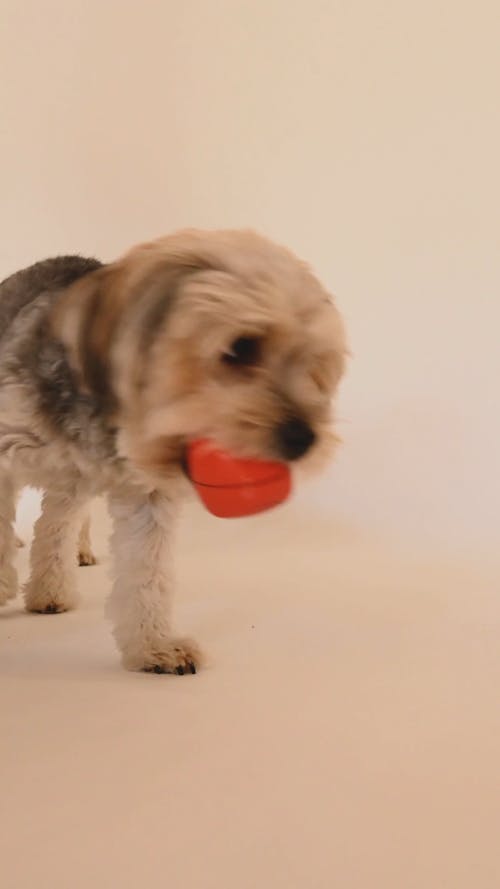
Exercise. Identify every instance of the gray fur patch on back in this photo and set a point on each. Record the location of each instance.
(31, 354)
(48, 276)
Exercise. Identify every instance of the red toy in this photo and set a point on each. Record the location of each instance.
(231, 487)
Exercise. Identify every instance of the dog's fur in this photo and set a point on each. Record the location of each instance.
(107, 371)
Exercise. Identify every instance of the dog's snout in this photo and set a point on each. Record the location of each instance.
(295, 437)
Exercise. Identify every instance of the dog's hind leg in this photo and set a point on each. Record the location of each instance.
(18, 542)
(85, 553)
(8, 574)
(52, 584)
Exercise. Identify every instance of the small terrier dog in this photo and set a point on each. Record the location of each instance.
(108, 371)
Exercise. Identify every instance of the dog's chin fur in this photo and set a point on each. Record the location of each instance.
(144, 353)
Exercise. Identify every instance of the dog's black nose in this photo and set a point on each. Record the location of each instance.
(295, 437)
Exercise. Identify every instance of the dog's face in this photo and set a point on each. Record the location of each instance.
(218, 334)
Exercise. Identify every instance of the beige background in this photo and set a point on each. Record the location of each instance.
(364, 135)
(352, 738)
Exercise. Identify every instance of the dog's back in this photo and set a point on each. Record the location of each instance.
(48, 276)
(39, 401)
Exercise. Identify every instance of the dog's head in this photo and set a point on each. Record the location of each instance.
(207, 334)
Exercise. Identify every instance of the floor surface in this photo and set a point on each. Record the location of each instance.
(346, 732)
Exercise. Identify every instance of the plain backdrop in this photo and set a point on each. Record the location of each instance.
(364, 135)
(347, 731)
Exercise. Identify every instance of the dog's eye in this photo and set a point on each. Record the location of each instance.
(245, 351)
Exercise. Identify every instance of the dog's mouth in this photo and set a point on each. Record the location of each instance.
(291, 446)
(183, 461)
(290, 442)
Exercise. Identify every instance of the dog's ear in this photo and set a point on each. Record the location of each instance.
(85, 319)
(125, 301)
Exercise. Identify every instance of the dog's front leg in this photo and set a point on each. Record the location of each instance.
(141, 600)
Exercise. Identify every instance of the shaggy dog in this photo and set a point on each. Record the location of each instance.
(108, 371)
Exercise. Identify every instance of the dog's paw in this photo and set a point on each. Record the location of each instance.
(49, 608)
(40, 600)
(86, 558)
(180, 656)
(19, 542)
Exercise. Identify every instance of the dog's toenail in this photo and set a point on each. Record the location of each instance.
(157, 668)
(192, 668)
(179, 670)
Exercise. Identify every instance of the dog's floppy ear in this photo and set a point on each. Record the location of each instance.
(85, 319)
(126, 300)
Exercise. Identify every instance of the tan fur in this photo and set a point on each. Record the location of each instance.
(86, 556)
(234, 283)
(148, 339)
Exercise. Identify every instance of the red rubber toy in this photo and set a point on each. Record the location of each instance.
(230, 487)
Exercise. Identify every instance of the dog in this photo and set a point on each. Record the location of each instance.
(107, 371)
